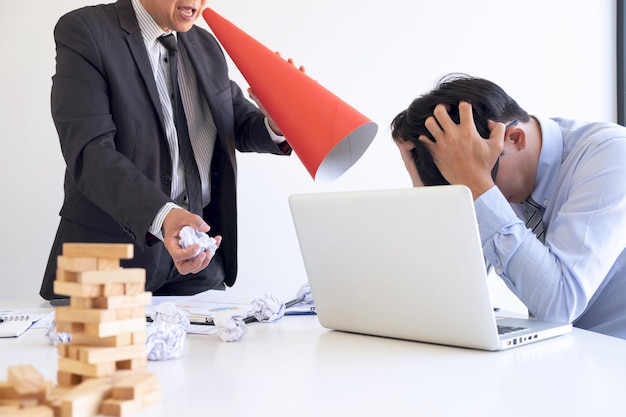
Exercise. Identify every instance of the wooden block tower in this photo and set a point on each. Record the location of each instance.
(104, 368)
(106, 318)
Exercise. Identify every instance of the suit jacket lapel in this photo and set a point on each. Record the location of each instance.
(128, 22)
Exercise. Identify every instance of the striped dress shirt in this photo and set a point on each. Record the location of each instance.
(202, 131)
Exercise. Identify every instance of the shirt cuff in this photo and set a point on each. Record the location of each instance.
(493, 212)
(277, 139)
(156, 227)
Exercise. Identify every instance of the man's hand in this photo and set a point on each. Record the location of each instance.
(253, 96)
(406, 152)
(461, 154)
(183, 259)
(270, 121)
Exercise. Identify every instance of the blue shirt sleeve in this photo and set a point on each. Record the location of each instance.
(585, 236)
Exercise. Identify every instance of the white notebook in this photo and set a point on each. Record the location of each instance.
(15, 322)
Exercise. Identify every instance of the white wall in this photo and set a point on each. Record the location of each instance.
(555, 59)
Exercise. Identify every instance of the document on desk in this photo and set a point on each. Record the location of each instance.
(202, 307)
(14, 322)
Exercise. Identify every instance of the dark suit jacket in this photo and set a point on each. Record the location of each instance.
(106, 109)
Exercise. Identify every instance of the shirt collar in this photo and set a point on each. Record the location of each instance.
(550, 159)
(150, 29)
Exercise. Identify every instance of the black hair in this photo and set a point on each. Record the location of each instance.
(488, 100)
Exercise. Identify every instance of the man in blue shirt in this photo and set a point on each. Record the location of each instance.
(573, 267)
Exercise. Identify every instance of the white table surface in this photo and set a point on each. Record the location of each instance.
(294, 367)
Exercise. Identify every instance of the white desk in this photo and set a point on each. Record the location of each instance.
(296, 368)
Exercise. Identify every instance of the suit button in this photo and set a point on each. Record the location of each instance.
(166, 179)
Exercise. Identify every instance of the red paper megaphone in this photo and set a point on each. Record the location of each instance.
(327, 134)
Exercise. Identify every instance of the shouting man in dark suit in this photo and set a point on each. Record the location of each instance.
(114, 104)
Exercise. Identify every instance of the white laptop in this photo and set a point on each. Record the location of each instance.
(406, 264)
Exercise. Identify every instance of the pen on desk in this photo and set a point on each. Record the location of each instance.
(293, 302)
(204, 321)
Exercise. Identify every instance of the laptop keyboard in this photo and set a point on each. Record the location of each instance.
(509, 329)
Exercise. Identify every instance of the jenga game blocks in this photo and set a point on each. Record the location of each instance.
(104, 367)
(25, 393)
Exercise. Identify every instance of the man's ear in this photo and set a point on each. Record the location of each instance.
(517, 136)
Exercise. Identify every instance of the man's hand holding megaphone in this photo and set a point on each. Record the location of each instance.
(270, 121)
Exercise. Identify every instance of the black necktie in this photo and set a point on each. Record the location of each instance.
(193, 200)
(534, 218)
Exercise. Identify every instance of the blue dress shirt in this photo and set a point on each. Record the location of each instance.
(579, 275)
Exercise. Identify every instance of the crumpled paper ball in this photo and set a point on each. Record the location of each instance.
(56, 337)
(166, 333)
(305, 294)
(190, 236)
(230, 327)
(268, 309)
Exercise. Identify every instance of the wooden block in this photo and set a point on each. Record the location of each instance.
(75, 289)
(7, 391)
(136, 364)
(140, 337)
(122, 275)
(107, 264)
(105, 329)
(124, 408)
(34, 411)
(66, 276)
(125, 313)
(25, 379)
(115, 340)
(83, 302)
(115, 288)
(8, 409)
(73, 366)
(67, 379)
(122, 301)
(135, 385)
(78, 315)
(20, 402)
(64, 351)
(99, 250)
(70, 327)
(53, 400)
(134, 288)
(76, 264)
(85, 399)
(95, 355)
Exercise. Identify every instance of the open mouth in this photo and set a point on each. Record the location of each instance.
(187, 11)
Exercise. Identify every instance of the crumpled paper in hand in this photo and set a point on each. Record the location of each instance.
(305, 294)
(166, 334)
(57, 337)
(190, 236)
(268, 309)
(230, 327)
